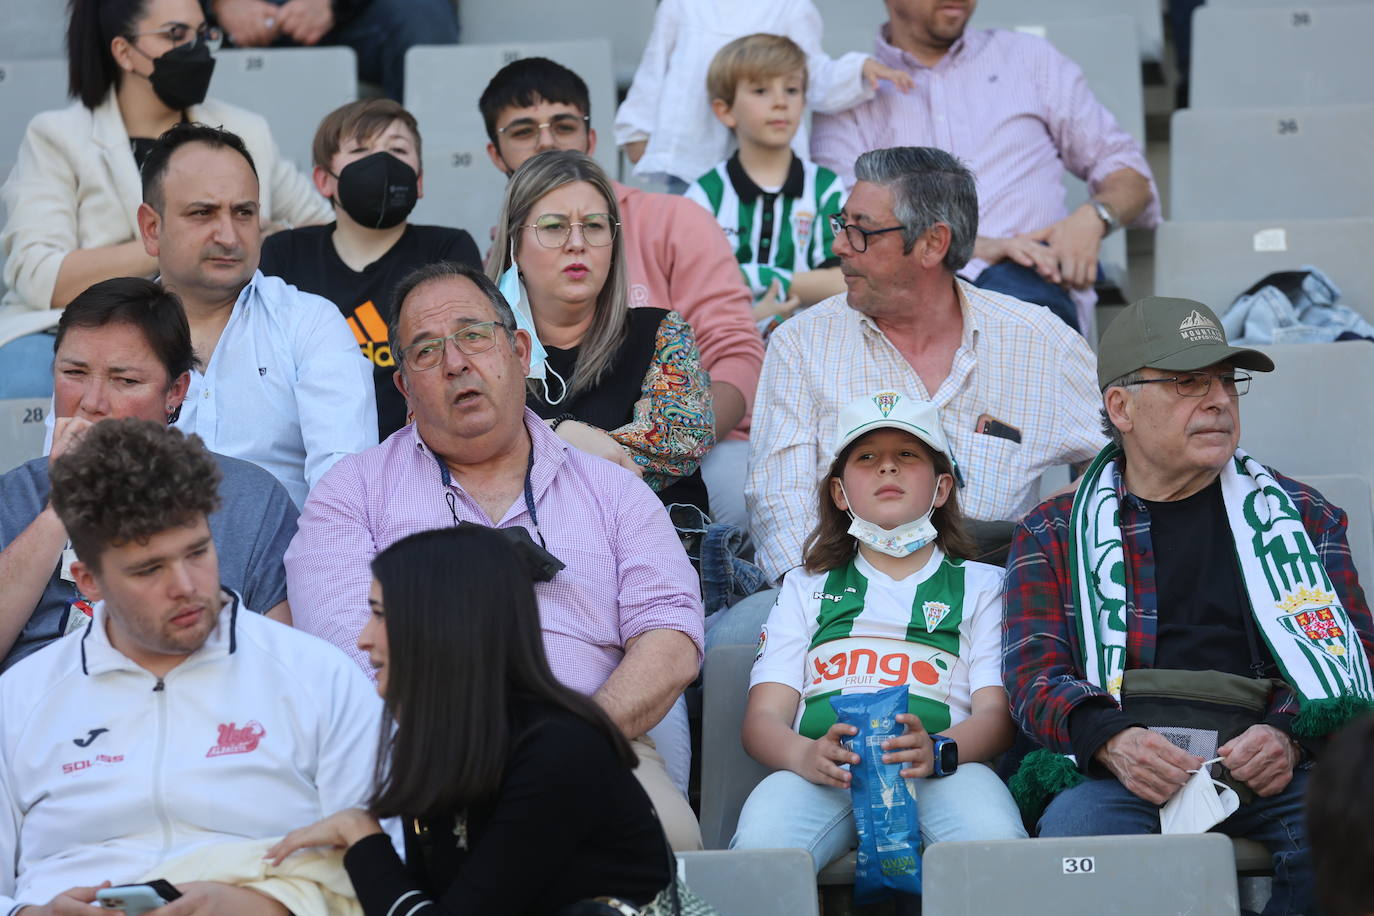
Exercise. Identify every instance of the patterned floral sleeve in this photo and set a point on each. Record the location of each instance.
(674, 425)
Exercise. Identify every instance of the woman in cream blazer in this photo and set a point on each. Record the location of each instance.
(75, 185)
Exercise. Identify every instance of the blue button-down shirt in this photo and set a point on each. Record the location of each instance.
(286, 387)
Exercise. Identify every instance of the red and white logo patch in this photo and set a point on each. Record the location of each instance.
(234, 740)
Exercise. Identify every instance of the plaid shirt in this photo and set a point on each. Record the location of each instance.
(1041, 655)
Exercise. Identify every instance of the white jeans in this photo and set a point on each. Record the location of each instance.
(786, 811)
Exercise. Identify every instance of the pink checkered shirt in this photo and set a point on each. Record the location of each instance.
(626, 570)
(1010, 106)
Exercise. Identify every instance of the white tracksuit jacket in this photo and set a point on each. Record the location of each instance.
(105, 771)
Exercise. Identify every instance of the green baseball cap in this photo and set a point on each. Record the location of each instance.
(1164, 333)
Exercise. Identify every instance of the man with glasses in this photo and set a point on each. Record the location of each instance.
(619, 602)
(675, 256)
(1013, 383)
(1182, 567)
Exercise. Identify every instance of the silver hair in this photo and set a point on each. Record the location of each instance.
(442, 270)
(929, 186)
(1121, 381)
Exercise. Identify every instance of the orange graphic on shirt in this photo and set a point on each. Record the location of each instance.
(370, 331)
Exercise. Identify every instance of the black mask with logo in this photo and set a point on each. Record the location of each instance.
(181, 77)
(378, 191)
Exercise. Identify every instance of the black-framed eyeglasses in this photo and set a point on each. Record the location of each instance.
(475, 338)
(553, 230)
(1197, 384)
(179, 33)
(565, 129)
(857, 235)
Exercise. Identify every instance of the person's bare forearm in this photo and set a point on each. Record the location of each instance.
(1126, 192)
(26, 565)
(812, 286)
(658, 665)
(772, 742)
(728, 404)
(982, 737)
(84, 267)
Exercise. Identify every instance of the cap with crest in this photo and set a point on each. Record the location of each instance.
(893, 410)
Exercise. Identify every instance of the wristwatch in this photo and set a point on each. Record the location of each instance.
(1108, 218)
(946, 755)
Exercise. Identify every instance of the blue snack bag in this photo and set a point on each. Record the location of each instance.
(885, 812)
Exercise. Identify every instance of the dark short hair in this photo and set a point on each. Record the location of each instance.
(928, 186)
(524, 82)
(143, 304)
(363, 119)
(1340, 804)
(91, 26)
(128, 480)
(442, 270)
(461, 647)
(155, 165)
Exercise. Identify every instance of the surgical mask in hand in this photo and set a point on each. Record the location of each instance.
(514, 292)
(902, 541)
(1198, 807)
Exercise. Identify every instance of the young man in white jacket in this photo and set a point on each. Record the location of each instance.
(176, 719)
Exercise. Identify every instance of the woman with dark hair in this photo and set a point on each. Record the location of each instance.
(1340, 806)
(515, 792)
(623, 383)
(136, 67)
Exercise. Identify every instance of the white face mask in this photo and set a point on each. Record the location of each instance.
(902, 541)
(1198, 806)
(514, 291)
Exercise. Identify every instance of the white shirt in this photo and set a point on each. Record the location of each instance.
(286, 387)
(261, 730)
(668, 102)
(1016, 362)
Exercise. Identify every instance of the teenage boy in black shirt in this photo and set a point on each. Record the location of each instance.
(367, 162)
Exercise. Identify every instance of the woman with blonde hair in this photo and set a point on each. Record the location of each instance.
(626, 384)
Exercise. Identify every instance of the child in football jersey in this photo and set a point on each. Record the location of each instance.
(885, 596)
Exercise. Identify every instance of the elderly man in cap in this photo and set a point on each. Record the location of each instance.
(1186, 606)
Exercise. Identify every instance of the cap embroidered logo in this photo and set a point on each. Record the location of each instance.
(886, 401)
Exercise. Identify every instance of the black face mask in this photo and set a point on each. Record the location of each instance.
(378, 191)
(182, 75)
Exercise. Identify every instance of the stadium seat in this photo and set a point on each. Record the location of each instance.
(760, 882)
(21, 430)
(27, 87)
(728, 773)
(625, 23)
(1313, 414)
(1125, 875)
(1288, 4)
(293, 88)
(34, 29)
(1264, 163)
(1282, 56)
(1213, 262)
(443, 82)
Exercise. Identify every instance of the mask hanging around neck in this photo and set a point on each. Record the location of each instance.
(514, 291)
(901, 541)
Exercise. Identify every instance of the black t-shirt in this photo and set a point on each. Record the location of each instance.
(610, 405)
(1205, 622)
(306, 259)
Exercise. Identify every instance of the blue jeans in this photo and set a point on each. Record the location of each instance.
(1104, 807)
(26, 367)
(1026, 284)
(785, 811)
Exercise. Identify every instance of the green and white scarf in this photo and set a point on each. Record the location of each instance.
(1295, 606)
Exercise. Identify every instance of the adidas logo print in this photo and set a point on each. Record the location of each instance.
(370, 331)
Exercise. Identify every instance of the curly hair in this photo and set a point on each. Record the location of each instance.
(127, 480)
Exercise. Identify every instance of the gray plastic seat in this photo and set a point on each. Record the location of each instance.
(1264, 163)
(728, 773)
(1213, 262)
(27, 87)
(293, 88)
(21, 430)
(1282, 56)
(34, 29)
(443, 82)
(759, 882)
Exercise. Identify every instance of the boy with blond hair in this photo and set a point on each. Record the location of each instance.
(773, 205)
(367, 163)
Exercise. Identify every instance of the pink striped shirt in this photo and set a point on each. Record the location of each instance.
(626, 570)
(1009, 105)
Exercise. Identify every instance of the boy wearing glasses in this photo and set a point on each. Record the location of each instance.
(773, 205)
(367, 163)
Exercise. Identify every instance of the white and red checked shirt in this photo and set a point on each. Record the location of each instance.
(626, 570)
(1016, 362)
(1014, 109)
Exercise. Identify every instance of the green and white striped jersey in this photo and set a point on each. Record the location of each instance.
(856, 630)
(774, 233)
